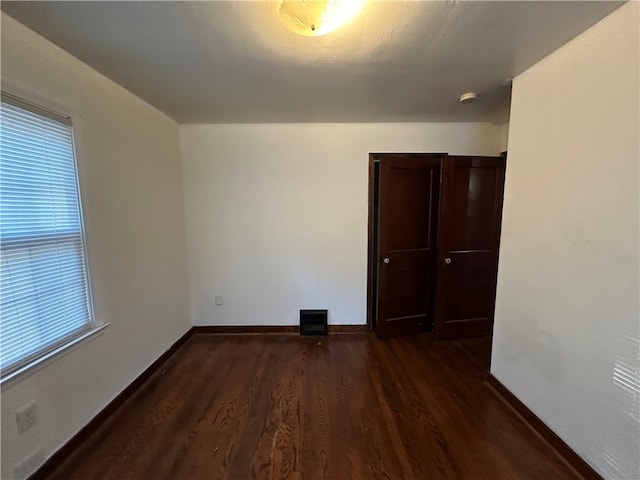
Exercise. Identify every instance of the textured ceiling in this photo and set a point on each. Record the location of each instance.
(233, 62)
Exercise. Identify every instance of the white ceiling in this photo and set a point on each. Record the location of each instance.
(233, 62)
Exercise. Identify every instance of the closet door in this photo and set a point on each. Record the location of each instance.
(468, 242)
(406, 253)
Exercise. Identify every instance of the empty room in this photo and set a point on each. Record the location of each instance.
(329, 239)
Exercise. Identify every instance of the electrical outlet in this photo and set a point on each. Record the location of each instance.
(218, 299)
(26, 417)
(27, 467)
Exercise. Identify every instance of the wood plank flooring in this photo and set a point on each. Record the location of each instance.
(345, 406)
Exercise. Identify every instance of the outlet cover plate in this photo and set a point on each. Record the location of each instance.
(26, 417)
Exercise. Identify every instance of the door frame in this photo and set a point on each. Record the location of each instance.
(372, 260)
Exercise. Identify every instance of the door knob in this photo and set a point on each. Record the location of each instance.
(447, 260)
(386, 260)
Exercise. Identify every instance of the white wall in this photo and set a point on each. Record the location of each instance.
(567, 316)
(276, 215)
(130, 184)
(504, 136)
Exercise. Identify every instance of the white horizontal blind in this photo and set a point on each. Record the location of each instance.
(44, 300)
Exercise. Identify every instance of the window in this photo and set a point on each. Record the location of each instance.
(44, 293)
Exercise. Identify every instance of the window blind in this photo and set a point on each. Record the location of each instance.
(44, 299)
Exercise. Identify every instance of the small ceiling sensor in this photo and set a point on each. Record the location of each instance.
(468, 97)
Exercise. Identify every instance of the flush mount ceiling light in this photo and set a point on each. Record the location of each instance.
(468, 97)
(312, 18)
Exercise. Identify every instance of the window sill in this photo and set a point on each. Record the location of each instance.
(58, 352)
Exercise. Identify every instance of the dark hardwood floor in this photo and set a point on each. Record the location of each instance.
(338, 407)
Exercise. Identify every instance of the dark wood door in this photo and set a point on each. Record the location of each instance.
(406, 255)
(468, 242)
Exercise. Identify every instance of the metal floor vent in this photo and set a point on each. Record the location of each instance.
(313, 322)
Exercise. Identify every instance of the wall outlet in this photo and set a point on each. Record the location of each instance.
(27, 467)
(26, 417)
(218, 299)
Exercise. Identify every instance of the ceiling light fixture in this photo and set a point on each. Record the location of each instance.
(312, 18)
(468, 97)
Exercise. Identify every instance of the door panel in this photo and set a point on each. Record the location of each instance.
(472, 208)
(407, 220)
(408, 196)
(468, 242)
